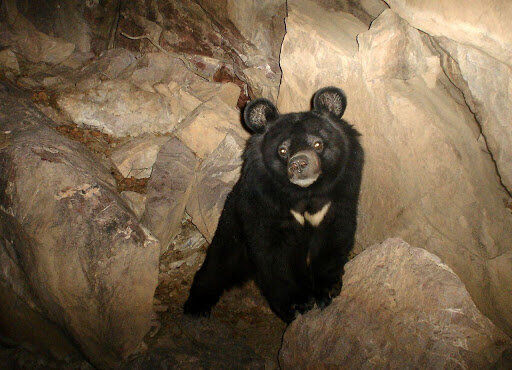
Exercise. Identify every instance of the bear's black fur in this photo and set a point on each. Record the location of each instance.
(271, 228)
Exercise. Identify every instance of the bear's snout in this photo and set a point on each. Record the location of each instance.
(304, 168)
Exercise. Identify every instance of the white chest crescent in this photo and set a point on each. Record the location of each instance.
(314, 219)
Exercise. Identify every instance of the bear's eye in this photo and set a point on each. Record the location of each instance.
(282, 151)
(318, 145)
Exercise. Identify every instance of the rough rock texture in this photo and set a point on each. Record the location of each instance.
(218, 30)
(227, 92)
(19, 34)
(136, 157)
(60, 18)
(214, 180)
(482, 24)
(427, 178)
(136, 202)
(400, 307)
(205, 128)
(119, 108)
(169, 189)
(72, 255)
(475, 41)
(8, 61)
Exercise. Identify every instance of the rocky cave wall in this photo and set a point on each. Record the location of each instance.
(121, 118)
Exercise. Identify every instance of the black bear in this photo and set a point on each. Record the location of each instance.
(289, 221)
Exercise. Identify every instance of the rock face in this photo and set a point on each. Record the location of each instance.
(71, 252)
(482, 24)
(476, 45)
(428, 178)
(400, 307)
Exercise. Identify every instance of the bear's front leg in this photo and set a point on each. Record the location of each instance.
(281, 277)
(226, 265)
(328, 267)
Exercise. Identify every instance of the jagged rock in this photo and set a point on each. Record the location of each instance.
(215, 179)
(119, 108)
(111, 63)
(227, 92)
(476, 47)
(264, 81)
(169, 189)
(136, 202)
(205, 128)
(136, 157)
(400, 307)
(121, 95)
(259, 22)
(159, 67)
(8, 61)
(485, 83)
(331, 48)
(74, 258)
(427, 177)
(482, 24)
(23, 38)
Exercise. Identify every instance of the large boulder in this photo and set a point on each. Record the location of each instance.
(400, 307)
(71, 254)
(428, 178)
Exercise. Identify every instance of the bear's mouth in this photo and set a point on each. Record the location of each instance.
(304, 168)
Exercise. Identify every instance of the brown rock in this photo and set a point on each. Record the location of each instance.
(169, 190)
(23, 38)
(83, 261)
(482, 24)
(136, 157)
(8, 61)
(119, 108)
(227, 92)
(475, 43)
(215, 179)
(400, 307)
(136, 202)
(206, 127)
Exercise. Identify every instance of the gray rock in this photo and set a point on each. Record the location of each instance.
(73, 254)
(400, 307)
(169, 189)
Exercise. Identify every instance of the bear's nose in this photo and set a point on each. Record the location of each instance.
(298, 163)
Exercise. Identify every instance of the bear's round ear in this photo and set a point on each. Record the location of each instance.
(330, 99)
(258, 113)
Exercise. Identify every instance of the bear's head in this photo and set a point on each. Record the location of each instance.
(305, 150)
